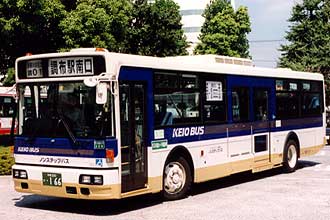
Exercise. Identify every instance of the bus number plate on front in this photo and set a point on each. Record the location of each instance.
(52, 179)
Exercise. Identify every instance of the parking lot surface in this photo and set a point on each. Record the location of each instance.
(303, 195)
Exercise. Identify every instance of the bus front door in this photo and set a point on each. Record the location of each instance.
(133, 135)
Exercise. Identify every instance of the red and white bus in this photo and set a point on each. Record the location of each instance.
(7, 109)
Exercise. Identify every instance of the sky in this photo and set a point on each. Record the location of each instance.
(268, 23)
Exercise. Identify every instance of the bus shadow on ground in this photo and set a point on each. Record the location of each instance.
(115, 207)
(88, 207)
(244, 177)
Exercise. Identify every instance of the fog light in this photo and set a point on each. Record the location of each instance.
(85, 179)
(98, 180)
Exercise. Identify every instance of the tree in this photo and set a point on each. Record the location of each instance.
(157, 29)
(309, 37)
(69, 4)
(29, 26)
(224, 31)
(98, 23)
(9, 78)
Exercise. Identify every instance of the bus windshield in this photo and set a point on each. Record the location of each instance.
(63, 109)
(7, 106)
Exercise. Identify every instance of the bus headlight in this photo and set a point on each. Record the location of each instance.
(91, 179)
(85, 179)
(98, 180)
(20, 174)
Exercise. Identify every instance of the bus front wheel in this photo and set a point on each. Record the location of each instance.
(290, 160)
(176, 179)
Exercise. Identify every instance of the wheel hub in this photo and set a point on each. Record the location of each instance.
(292, 156)
(175, 177)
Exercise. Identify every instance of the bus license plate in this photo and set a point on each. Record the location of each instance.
(52, 179)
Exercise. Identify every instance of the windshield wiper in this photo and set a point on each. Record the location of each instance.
(67, 128)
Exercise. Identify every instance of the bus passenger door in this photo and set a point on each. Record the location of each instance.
(261, 99)
(133, 135)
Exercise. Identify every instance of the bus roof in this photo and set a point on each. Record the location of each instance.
(7, 91)
(198, 63)
(208, 64)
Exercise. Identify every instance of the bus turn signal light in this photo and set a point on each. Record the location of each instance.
(12, 150)
(110, 155)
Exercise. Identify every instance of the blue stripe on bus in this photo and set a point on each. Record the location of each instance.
(174, 137)
(63, 147)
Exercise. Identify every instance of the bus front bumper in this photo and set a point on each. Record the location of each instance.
(70, 186)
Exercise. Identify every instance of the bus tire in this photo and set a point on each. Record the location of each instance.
(290, 156)
(176, 179)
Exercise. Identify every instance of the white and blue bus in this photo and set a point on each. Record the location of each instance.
(104, 125)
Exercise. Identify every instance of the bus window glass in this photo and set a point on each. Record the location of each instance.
(287, 105)
(316, 87)
(214, 108)
(62, 109)
(189, 81)
(260, 103)
(176, 99)
(279, 85)
(176, 108)
(293, 86)
(166, 80)
(7, 106)
(306, 86)
(240, 104)
(311, 105)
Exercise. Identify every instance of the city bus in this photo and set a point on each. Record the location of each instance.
(112, 125)
(7, 109)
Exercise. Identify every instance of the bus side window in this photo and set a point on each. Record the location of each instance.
(260, 102)
(240, 104)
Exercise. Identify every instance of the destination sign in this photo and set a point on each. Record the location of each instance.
(72, 66)
(34, 69)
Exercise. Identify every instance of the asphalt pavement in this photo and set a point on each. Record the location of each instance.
(303, 195)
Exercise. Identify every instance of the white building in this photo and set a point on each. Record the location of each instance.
(192, 20)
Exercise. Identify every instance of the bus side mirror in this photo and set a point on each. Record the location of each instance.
(101, 93)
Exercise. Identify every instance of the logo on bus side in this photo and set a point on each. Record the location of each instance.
(185, 132)
(28, 149)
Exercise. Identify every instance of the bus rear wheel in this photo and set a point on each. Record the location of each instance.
(176, 179)
(290, 161)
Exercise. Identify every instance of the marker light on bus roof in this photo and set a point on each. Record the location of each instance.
(28, 54)
(99, 49)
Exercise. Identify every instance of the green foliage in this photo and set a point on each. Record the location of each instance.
(224, 31)
(309, 38)
(157, 29)
(127, 26)
(6, 161)
(10, 77)
(29, 26)
(98, 23)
